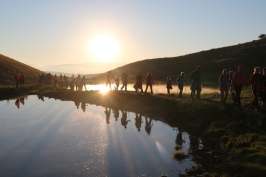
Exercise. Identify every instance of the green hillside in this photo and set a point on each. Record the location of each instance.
(212, 62)
(9, 67)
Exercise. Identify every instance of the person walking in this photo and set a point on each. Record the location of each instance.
(262, 90)
(17, 79)
(254, 80)
(22, 80)
(116, 82)
(124, 80)
(238, 80)
(169, 84)
(83, 83)
(195, 78)
(108, 79)
(224, 85)
(149, 82)
(180, 83)
(138, 84)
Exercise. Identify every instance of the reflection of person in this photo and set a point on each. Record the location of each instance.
(40, 97)
(22, 100)
(17, 103)
(77, 104)
(124, 120)
(195, 78)
(179, 140)
(148, 125)
(108, 114)
(116, 113)
(83, 106)
(138, 121)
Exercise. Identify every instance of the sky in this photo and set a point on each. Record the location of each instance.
(50, 33)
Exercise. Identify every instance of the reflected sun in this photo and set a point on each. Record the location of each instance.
(104, 48)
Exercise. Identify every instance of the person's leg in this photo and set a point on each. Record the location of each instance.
(198, 91)
(222, 93)
(238, 92)
(151, 88)
(146, 88)
(226, 94)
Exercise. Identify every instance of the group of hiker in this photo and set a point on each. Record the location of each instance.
(62, 81)
(19, 79)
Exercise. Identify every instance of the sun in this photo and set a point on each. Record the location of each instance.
(104, 48)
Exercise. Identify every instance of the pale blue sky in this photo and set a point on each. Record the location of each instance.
(52, 32)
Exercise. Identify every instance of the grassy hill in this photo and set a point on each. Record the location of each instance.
(212, 62)
(9, 67)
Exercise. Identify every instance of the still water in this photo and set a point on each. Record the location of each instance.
(47, 137)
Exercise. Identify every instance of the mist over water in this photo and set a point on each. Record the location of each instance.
(46, 137)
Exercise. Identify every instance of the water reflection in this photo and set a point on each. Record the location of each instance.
(20, 101)
(54, 138)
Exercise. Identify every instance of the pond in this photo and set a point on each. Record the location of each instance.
(157, 88)
(47, 137)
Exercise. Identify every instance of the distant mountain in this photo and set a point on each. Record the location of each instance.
(9, 67)
(212, 62)
(83, 68)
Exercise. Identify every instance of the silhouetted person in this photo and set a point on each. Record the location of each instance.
(116, 114)
(179, 139)
(108, 79)
(180, 83)
(124, 120)
(108, 114)
(254, 81)
(169, 84)
(195, 78)
(17, 79)
(138, 84)
(83, 83)
(149, 82)
(148, 125)
(116, 82)
(55, 80)
(224, 85)
(124, 80)
(17, 103)
(238, 80)
(138, 122)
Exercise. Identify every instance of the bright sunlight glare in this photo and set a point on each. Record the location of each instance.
(104, 48)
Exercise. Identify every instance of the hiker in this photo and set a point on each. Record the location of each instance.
(124, 80)
(149, 82)
(138, 121)
(77, 83)
(262, 90)
(108, 79)
(22, 79)
(148, 125)
(169, 84)
(17, 79)
(224, 85)
(180, 83)
(254, 80)
(55, 80)
(195, 78)
(138, 84)
(238, 80)
(232, 92)
(116, 82)
(83, 83)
